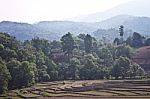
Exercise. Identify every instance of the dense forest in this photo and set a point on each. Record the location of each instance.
(79, 57)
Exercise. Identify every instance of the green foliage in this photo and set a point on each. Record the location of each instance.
(135, 70)
(73, 69)
(123, 50)
(27, 73)
(7, 54)
(68, 44)
(88, 43)
(121, 67)
(46, 77)
(14, 69)
(52, 69)
(136, 40)
(105, 56)
(55, 44)
(4, 76)
(62, 71)
(91, 69)
(8, 41)
(1, 47)
(124, 67)
(41, 44)
(35, 60)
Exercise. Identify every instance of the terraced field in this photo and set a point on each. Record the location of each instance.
(84, 89)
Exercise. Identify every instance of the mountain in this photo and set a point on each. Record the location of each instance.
(63, 27)
(109, 28)
(136, 24)
(25, 31)
(19, 30)
(53, 30)
(110, 34)
(134, 8)
(107, 34)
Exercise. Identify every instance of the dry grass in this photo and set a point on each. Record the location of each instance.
(85, 88)
(29, 95)
(96, 93)
(123, 93)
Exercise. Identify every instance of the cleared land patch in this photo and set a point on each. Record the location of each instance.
(84, 89)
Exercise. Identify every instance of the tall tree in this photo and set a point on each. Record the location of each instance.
(68, 44)
(27, 73)
(14, 70)
(88, 43)
(121, 30)
(4, 76)
(52, 69)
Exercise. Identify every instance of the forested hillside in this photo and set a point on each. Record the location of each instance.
(53, 30)
(25, 31)
(80, 57)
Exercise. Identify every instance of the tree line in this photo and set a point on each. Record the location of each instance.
(79, 57)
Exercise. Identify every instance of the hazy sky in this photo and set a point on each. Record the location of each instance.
(47, 10)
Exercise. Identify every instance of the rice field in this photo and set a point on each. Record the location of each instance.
(84, 89)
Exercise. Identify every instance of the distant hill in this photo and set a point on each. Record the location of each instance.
(136, 24)
(110, 34)
(134, 8)
(109, 28)
(20, 30)
(53, 30)
(63, 27)
(25, 31)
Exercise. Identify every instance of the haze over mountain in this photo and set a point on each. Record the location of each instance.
(134, 8)
(25, 31)
(103, 24)
(134, 23)
(63, 27)
(50, 30)
(53, 30)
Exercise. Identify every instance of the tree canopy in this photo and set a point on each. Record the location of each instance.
(80, 57)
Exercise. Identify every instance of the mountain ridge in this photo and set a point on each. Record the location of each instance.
(133, 8)
(53, 30)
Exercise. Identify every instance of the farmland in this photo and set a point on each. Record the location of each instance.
(84, 89)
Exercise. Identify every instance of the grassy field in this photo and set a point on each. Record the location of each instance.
(84, 89)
